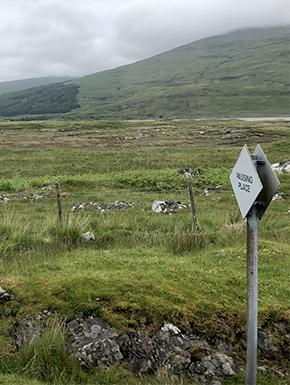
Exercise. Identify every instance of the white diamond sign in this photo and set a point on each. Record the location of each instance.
(245, 182)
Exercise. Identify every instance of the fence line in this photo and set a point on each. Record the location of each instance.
(127, 210)
(114, 192)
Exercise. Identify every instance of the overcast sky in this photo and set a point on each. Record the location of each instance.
(80, 37)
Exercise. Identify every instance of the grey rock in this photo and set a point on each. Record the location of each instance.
(4, 296)
(281, 167)
(223, 345)
(197, 341)
(142, 354)
(101, 354)
(197, 368)
(89, 235)
(212, 368)
(266, 343)
(210, 190)
(167, 347)
(2, 291)
(118, 205)
(166, 207)
(178, 363)
(94, 343)
(277, 197)
(85, 331)
(26, 330)
(187, 171)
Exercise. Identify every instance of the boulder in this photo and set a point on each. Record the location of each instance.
(89, 235)
(94, 343)
(166, 207)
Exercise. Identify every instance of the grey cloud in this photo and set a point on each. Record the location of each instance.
(69, 37)
(143, 29)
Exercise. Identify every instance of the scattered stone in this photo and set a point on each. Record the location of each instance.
(32, 197)
(82, 206)
(277, 197)
(52, 187)
(210, 190)
(262, 369)
(166, 207)
(88, 236)
(106, 206)
(281, 167)
(187, 171)
(117, 205)
(4, 296)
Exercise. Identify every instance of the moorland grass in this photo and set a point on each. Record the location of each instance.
(144, 268)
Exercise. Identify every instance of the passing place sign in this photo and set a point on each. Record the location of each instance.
(245, 182)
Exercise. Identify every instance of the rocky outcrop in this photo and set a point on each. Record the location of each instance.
(94, 343)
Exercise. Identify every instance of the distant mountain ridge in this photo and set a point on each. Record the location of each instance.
(23, 84)
(242, 73)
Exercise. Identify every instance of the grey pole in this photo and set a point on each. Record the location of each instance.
(252, 293)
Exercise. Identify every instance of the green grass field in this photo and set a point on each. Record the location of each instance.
(145, 268)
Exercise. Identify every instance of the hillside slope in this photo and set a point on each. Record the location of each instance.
(23, 84)
(243, 73)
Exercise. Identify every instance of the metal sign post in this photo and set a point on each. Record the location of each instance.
(254, 184)
(252, 295)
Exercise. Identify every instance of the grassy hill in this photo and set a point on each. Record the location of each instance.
(243, 73)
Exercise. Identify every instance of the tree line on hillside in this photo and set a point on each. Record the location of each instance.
(49, 99)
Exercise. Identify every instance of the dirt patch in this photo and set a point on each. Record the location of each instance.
(239, 138)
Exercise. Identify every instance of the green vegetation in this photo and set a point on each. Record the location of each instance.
(145, 268)
(240, 74)
(53, 98)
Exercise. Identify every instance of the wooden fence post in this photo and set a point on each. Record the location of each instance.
(193, 212)
(57, 186)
